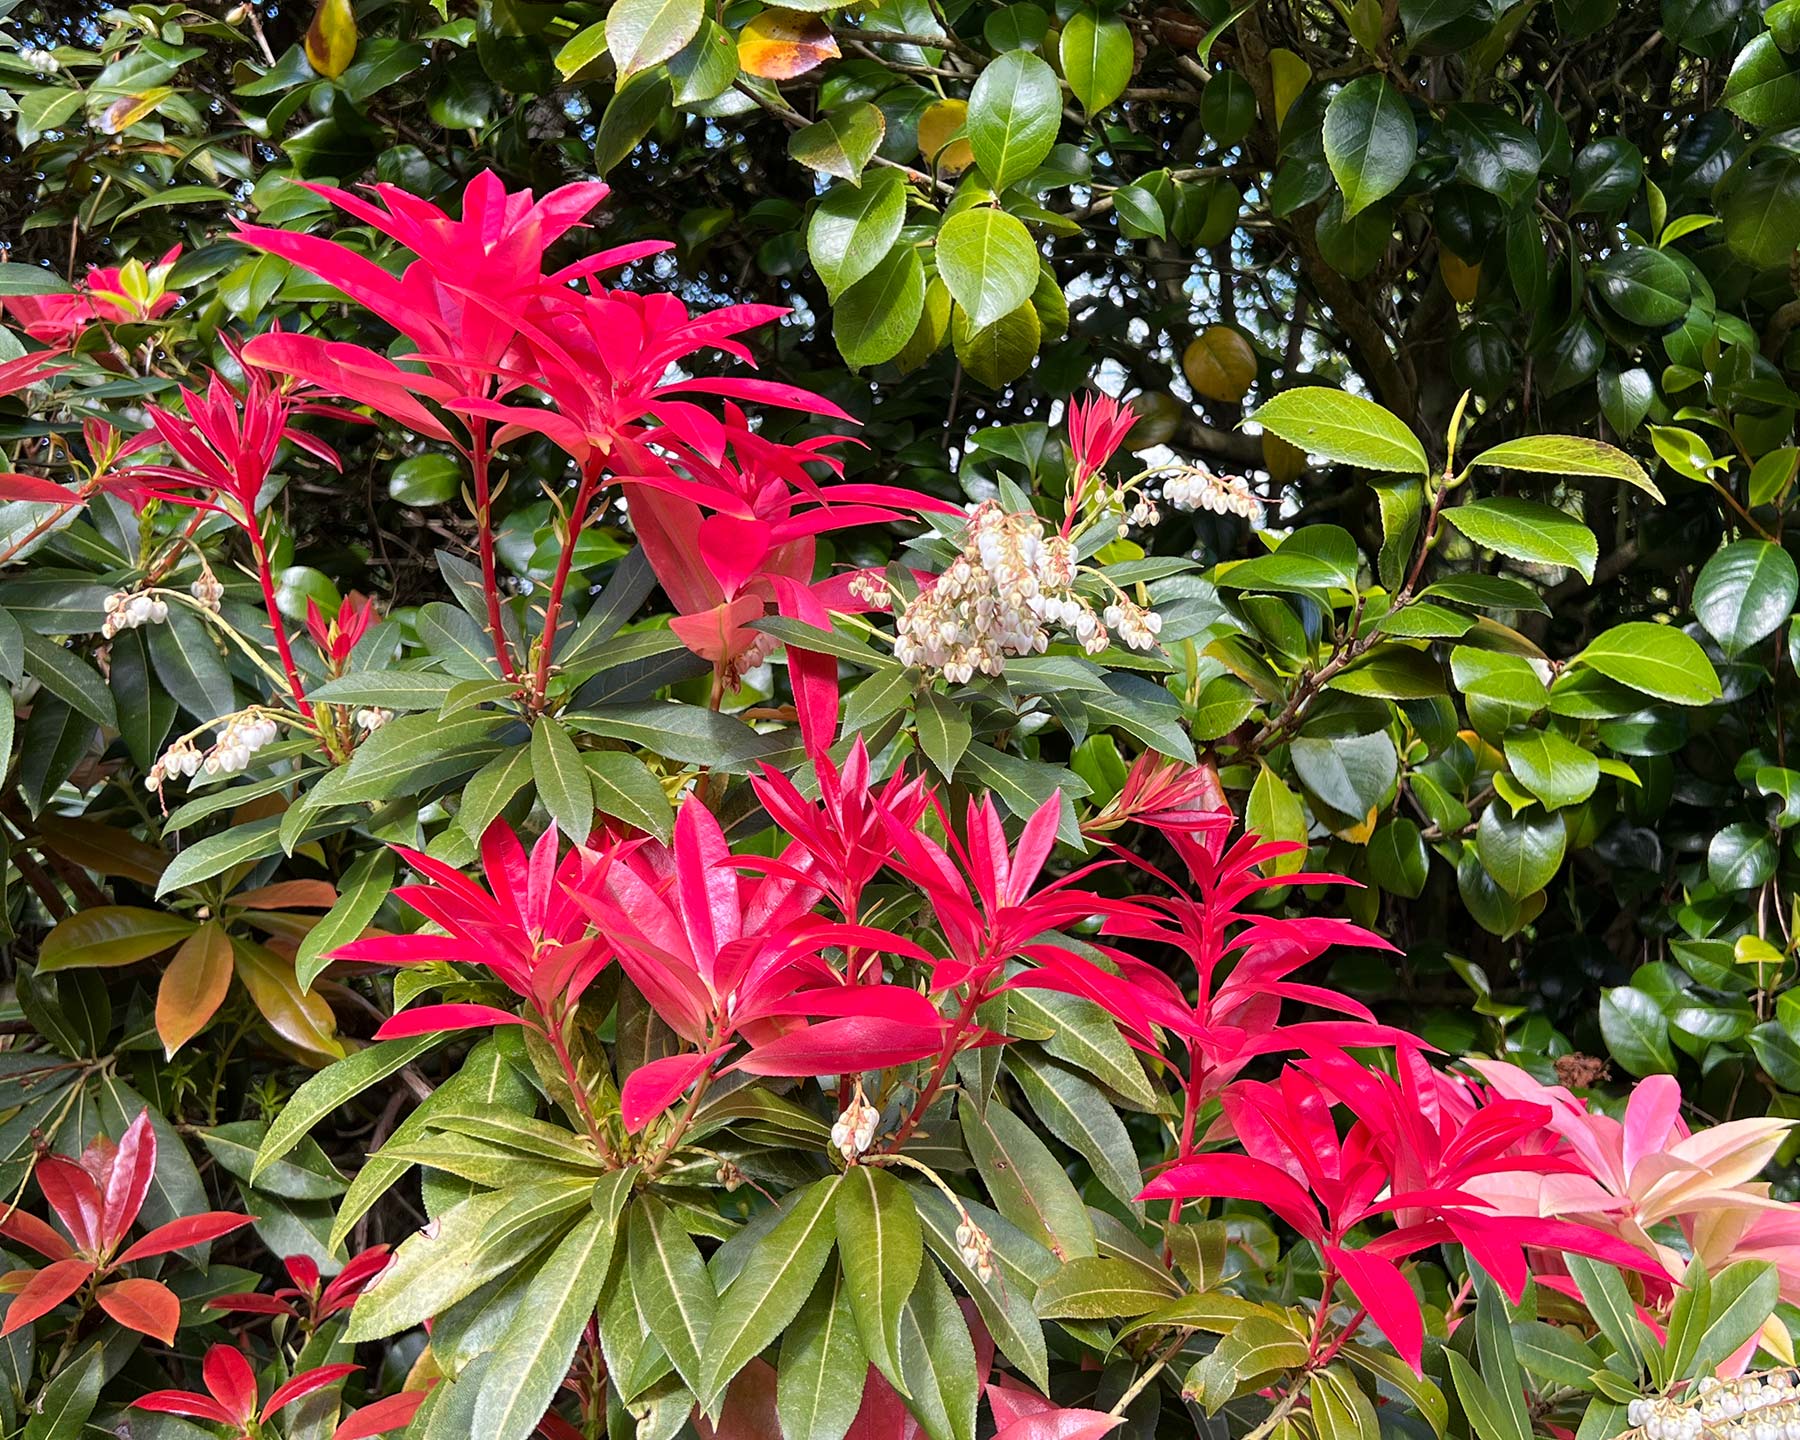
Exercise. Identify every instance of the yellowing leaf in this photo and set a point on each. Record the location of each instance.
(127, 110)
(331, 39)
(304, 1021)
(780, 44)
(1220, 364)
(1460, 278)
(1290, 74)
(194, 986)
(940, 121)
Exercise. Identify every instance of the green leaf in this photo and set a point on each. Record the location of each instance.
(1015, 110)
(1610, 1303)
(687, 733)
(1656, 659)
(854, 226)
(561, 779)
(1349, 773)
(624, 789)
(875, 317)
(937, 1360)
(1552, 767)
(1314, 557)
(1398, 859)
(635, 107)
(1488, 1415)
(673, 1288)
(989, 262)
(531, 1363)
(110, 935)
(1027, 1184)
(1742, 856)
(842, 143)
(1523, 851)
(1605, 177)
(1743, 1296)
(1097, 57)
(769, 1291)
(1000, 353)
(642, 33)
(218, 853)
(1567, 455)
(944, 730)
(334, 1086)
(880, 1248)
(467, 1245)
(61, 1412)
(1079, 1114)
(1526, 530)
(1745, 592)
(70, 678)
(390, 689)
(360, 894)
(1344, 428)
(1370, 141)
(1644, 285)
(1097, 1288)
(819, 1382)
(1636, 1031)
(1392, 672)
(1762, 90)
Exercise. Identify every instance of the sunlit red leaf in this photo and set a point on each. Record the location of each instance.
(780, 44)
(393, 1413)
(46, 1290)
(142, 1305)
(179, 1234)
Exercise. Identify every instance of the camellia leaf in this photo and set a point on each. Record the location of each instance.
(988, 260)
(1568, 455)
(853, 227)
(1370, 141)
(1015, 111)
(842, 143)
(1745, 592)
(331, 39)
(1656, 659)
(1097, 57)
(642, 33)
(1526, 530)
(784, 44)
(1345, 428)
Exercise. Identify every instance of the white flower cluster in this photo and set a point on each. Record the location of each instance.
(1194, 487)
(127, 610)
(855, 1129)
(243, 735)
(41, 61)
(182, 759)
(239, 738)
(1754, 1407)
(208, 590)
(1001, 596)
(975, 1247)
(372, 717)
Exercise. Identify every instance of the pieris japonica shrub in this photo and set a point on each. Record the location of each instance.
(767, 1012)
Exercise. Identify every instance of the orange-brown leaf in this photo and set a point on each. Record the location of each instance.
(287, 895)
(304, 1021)
(331, 42)
(780, 44)
(194, 986)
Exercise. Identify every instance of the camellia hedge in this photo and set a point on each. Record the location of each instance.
(941, 719)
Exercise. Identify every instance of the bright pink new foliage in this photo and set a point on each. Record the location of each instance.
(727, 517)
(60, 319)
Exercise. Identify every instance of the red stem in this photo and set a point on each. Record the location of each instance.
(484, 531)
(275, 622)
(952, 1044)
(584, 496)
